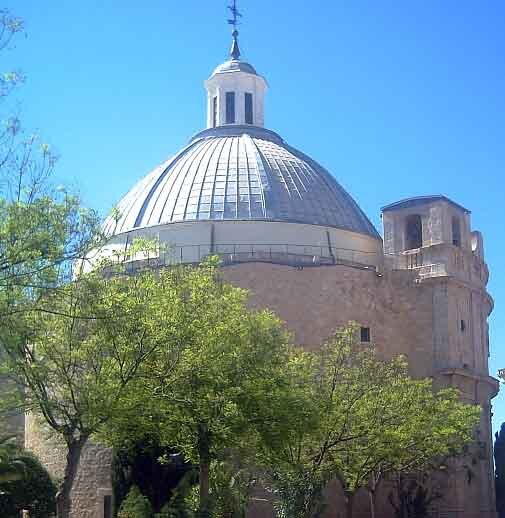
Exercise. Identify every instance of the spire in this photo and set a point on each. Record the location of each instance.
(234, 51)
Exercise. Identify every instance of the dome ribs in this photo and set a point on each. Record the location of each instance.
(240, 173)
(174, 183)
(152, 191)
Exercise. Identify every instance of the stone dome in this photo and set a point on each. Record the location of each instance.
(239, 173)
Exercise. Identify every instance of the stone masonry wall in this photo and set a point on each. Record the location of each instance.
(93, 479)
(315, 301)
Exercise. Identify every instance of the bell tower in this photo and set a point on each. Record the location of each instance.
(425, 221)
(432, 236)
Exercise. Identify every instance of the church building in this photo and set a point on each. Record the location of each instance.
(286, 230)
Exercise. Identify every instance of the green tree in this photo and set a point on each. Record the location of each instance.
(75, 361)
(232, 486)
(136, 505)
(372, 419)
(412, 428)
(232, 362)
(342, 376)
(43, 230)
(183, 502)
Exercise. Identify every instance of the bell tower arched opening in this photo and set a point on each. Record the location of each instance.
(456, 231)
(413, 232)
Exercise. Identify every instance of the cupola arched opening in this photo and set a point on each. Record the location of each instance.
(248, 108)
(230, 107)
(413, 232)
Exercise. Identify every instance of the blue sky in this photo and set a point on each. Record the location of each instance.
(396, 99)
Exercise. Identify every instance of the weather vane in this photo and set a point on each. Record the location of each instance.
(235, 14)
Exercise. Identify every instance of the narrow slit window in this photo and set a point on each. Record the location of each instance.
(248, 108)
(230, 107)
(462, 326)
(365, 334)
(214, 111)
(107, 506)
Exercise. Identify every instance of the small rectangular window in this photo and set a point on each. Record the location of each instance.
(462, 326)
(248, 109)
(365, 334)
(230, 107)
(214, 111)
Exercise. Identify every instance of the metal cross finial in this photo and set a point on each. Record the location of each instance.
(235, 51)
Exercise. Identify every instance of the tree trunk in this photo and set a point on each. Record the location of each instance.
(204, 476)
(402, 497)
(371, 497)
(74, 450)
(372, 491)
(204, 485)
(349, 503)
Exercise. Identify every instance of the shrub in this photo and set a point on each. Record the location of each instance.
(231, 489)
(35, 492)
(155, 469)
(135, 505)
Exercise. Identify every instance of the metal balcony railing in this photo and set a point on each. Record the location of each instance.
(288, 254)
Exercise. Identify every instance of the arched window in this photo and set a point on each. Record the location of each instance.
(456, 232)
(413, 232)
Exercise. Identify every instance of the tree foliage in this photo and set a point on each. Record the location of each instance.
(136, 505)
(373, 419)
(75, 359)
(240, 390)
(232, 362)
(43, 229)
